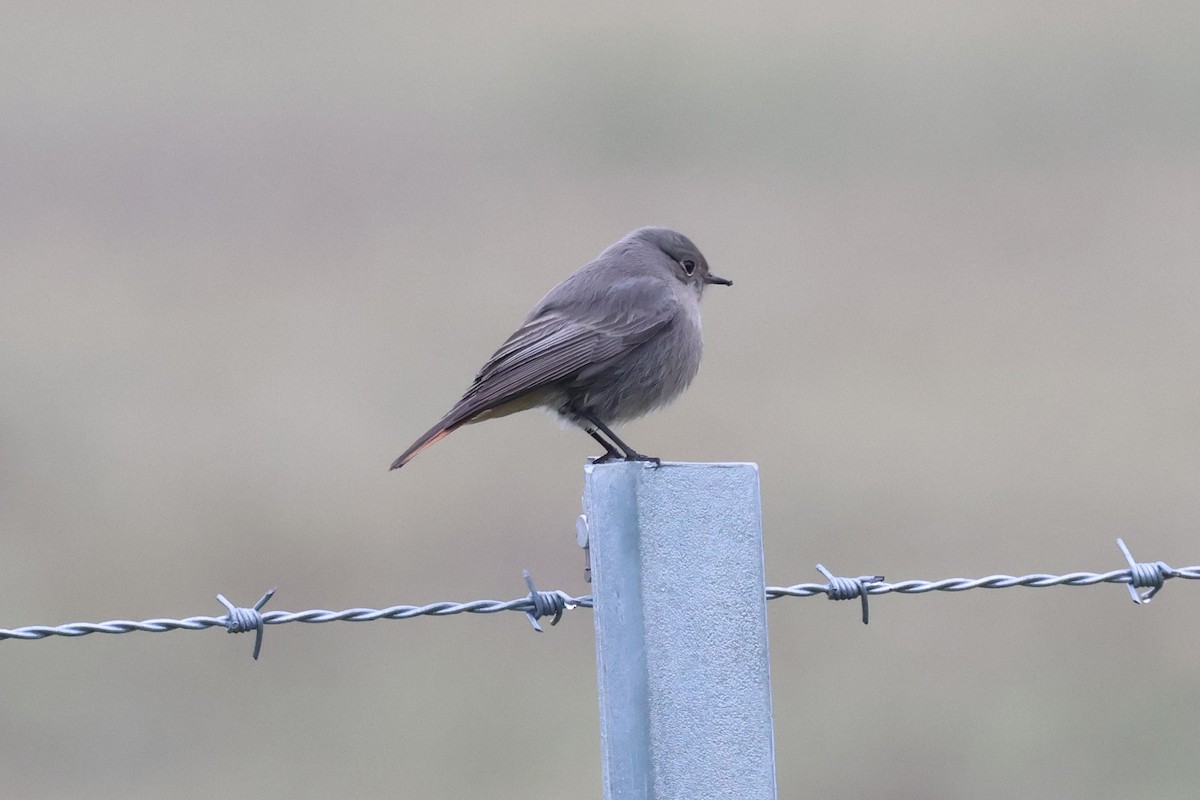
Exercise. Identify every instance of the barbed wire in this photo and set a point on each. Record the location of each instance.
(539, 604)
(1139, 575)
(534, 605)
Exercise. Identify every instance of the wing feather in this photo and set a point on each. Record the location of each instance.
(552, 346)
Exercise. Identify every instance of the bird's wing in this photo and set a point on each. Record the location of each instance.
(556, 343)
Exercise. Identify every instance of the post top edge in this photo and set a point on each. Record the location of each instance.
(672, 465)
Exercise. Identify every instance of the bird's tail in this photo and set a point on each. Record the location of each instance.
(435, 434)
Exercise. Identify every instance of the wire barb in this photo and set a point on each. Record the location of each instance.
(1143, 575)
(240, 620)
(545, 604)
(850, 588)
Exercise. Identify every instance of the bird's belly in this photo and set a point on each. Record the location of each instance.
(650, 376)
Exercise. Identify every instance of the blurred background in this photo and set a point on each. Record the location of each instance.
(249, 252)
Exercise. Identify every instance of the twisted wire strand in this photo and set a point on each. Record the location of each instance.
(1035, 581)
(550, 604)
(539, 604)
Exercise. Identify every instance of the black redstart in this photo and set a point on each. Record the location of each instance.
(618, 338)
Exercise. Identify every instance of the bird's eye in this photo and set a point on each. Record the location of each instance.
(688, 265)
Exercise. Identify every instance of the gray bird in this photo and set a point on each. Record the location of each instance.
(618, 338)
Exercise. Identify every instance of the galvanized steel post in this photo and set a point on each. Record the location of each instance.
(681, 631)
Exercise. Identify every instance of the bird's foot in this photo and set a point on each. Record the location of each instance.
(608, 458)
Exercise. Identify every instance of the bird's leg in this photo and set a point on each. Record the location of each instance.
(629, 455)
(610, 452)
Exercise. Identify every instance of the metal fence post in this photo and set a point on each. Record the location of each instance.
(681, 631)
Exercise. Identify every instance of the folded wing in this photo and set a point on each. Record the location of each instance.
(555, 343)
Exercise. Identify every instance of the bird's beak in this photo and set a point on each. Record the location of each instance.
(710, 278)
